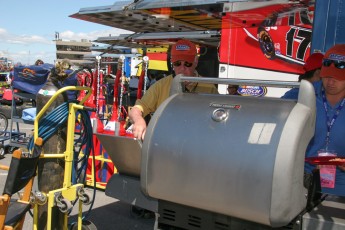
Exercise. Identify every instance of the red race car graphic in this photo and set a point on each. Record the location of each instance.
(286, 35)
(278, 41)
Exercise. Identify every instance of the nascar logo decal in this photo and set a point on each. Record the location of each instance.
(256, 91)
(338, 57)
(182, 47)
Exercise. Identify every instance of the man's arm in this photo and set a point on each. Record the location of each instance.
(153, 97)
(139, 124)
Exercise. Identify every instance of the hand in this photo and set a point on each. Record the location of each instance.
(139, 129)
(139, 124)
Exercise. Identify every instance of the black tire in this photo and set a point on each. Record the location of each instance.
(3, 123)
(86, 225)
(2, 151)
(266, 43)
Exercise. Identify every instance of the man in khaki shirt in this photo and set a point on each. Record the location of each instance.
(184, 58)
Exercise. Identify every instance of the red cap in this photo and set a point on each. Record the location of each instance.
(336, 53)
(183, 50)
(313, 62)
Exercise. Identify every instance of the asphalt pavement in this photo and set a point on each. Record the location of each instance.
(106, 214)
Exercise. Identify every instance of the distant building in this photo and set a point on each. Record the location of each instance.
(74, 51)
(5, 61)
(5, 64)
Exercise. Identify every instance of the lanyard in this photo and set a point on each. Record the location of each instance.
(330, 123)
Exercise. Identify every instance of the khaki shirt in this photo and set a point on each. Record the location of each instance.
(159, 91)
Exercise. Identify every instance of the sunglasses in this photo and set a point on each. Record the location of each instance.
(337, 64)
(186, 64)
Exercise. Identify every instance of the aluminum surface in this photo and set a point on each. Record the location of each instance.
(248, 164)
(125, 153)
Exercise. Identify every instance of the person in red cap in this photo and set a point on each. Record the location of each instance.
(184, 60)
(312, 68)
(330, 120)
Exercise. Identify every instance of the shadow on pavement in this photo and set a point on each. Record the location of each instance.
(117, 216)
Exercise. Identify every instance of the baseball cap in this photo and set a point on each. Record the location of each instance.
(313, 62)
(335, 53)
(183, 50)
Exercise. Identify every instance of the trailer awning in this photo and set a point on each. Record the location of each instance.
(141, 40)
(162, 22)
(156, 16)
(179, 15)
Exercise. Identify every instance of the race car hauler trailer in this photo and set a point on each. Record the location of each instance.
(264, 40)
(217, 161)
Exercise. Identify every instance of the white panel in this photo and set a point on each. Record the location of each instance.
(229, 71)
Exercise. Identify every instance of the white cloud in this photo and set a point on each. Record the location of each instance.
(26, 48)
(93, 35)
(23, 39)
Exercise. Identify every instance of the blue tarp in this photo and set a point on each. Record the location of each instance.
(31, 78)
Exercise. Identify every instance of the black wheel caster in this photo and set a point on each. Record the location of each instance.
(86, 225)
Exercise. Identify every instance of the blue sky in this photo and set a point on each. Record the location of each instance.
(27, 28)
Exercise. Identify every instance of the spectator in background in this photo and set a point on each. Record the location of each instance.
(39, 62)
(312, 68)
(232, 90)
(152, 79)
